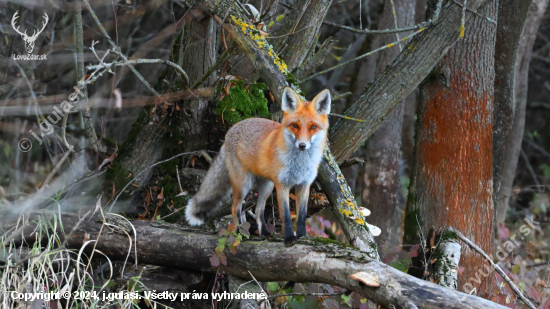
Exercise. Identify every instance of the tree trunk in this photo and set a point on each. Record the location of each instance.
(311, 260)
(513, 143)
(381, 180)
(162, 130)
(511, 18)
(452, 174)
(399, 79)
(304, 21)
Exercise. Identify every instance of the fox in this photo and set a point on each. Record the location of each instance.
(268, 154)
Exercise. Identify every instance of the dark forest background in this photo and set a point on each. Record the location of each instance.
(115, 132)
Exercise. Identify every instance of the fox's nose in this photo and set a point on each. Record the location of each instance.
(302, 146)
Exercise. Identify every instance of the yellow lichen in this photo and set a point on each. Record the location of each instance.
(260, 40)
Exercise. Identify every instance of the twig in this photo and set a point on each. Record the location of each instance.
(75, 228)
(346, 117)
(139, 61)
(437, 10)
(179, 182)
(530, 168)
(290, 33)
(538, 264)
(64, 131)
(362, 56)
(495, 266)
(463, 19)
(475, 12)
(395, 22)
(80, 73)
(143, 171)
(173, 213)
(537, 147)
(341, 96)
(351, 162)
(206, 156)
(240, 286)
(301, 15)
(251, 275)
(422, 243)
(115, 48)
(266, 10)
(56, 168)
(366, 31)
(38, 255)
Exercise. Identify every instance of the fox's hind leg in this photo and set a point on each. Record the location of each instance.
(241, 183)
(265, 187)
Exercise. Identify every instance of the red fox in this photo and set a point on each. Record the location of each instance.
(268, 154)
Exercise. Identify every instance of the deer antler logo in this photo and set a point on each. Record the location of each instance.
(29, 40)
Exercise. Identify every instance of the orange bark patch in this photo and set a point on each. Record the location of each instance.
(455, 165)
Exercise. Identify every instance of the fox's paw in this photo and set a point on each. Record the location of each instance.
(290, 241)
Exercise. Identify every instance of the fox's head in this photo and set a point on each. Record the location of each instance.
(305, 123)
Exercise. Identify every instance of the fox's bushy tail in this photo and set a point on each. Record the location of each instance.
(214, 190)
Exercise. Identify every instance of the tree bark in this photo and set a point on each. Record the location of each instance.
(381, 180)
(399, 79)
(304, 21)
(513, 143)
(161, 131)
(311, 260)
(511, 18)
(446, 256)
(452, 174)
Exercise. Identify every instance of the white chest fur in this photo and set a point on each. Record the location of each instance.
(299, 167)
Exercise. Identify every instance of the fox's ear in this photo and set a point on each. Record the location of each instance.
(322, 102)
(290, 100)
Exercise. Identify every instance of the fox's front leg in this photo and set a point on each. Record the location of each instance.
(302, 195)
(284, 212)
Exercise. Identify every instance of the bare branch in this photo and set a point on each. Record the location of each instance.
(495, 267)
(367, 31)
(115, 48)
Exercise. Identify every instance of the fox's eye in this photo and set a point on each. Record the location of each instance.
(295, 126)
(313, 127)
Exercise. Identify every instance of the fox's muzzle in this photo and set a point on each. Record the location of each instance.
(302, 145)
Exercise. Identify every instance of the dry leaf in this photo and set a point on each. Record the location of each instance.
(148, 197)
(366, 278)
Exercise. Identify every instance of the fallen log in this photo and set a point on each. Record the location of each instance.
(311, 260)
